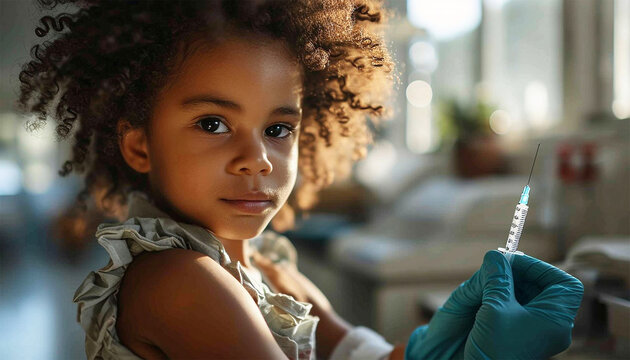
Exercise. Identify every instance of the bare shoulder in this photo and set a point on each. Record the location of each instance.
(185, 305)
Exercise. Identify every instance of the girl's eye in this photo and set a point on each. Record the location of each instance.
(212, 123)
(277, 128)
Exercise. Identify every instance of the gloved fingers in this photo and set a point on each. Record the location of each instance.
(496, 279)
(415, 343)
(530, 269)
(560, 295)
(446, 334)
(466, 298)
(524, 290)
(445, 342)
(558, 302)
(454, 320)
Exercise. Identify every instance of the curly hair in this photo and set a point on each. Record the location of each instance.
(110, 59)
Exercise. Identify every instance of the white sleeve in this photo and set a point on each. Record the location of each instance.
(362, 343)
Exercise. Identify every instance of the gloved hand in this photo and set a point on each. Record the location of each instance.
(488, 317)
(444, 337)
(530, 321)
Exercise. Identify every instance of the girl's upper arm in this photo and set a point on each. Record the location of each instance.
(196, 309)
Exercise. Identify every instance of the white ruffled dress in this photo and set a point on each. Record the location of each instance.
(150, 229)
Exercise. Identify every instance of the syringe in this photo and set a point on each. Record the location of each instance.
(518, 221)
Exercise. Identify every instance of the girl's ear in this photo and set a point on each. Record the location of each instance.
(133, 144)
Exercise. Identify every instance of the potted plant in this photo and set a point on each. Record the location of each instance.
(476, 151)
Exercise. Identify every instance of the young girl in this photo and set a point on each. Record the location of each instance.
(194, 121)
(194, 118)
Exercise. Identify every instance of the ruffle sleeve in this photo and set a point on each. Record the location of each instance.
(288, 319)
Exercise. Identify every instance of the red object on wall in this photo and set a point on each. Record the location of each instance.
(566, 171)
(589, 170)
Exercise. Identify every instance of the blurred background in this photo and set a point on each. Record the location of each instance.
(483, 82)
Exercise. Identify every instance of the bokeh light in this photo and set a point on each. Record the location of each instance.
(500, 122)
(444, 19)
(419, 93)
(11, 176)
(536, 104)
(38, 177)
(423, 56)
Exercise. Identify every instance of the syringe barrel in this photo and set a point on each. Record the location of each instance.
(516, 228)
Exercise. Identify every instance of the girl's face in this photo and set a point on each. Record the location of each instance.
(221, 130)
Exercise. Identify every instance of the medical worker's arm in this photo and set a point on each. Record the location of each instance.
(522, 310)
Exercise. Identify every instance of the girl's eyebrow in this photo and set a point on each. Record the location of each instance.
(203, 99)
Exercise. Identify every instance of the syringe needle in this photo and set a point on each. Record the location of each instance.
(532, 170)
(516, 228)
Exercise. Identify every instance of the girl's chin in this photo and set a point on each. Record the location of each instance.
(244, 232)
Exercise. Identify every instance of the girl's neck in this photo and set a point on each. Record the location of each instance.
(238, 250)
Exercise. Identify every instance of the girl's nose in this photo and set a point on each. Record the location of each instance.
(251, 158)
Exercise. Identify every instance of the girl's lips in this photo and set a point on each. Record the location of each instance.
(250, 206)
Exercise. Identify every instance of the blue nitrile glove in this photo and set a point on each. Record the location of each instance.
(444, 337)
(550, 296)
(530, 321)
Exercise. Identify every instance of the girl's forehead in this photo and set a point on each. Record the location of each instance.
(247, 54)
(240, 67)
